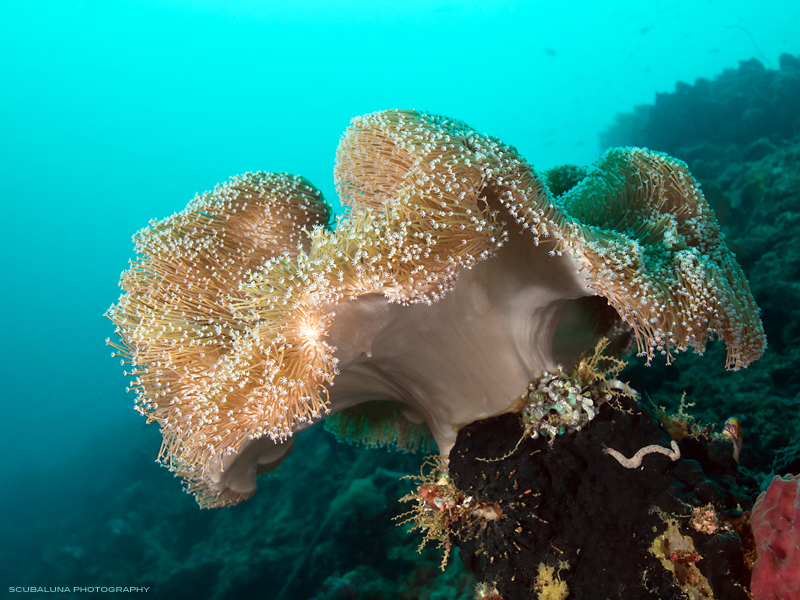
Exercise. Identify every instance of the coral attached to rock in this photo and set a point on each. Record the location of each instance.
(455, 279)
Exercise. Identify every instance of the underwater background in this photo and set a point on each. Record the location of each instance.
(117, 112)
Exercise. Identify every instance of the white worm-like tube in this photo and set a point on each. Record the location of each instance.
(636, 461)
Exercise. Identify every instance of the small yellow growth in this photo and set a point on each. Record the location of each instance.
(424, 515)
(598, 367)
(677, 554)
(439, 504)
(681, 424)
(547, 584)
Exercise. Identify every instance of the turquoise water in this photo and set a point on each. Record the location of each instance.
(113, 113)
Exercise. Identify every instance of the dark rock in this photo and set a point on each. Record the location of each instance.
(789, 62)
(575, 508)
(736, 108)
(787, 459)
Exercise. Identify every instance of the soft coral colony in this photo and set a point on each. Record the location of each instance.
(455, 280)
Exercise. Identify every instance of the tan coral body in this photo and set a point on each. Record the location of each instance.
(447, 288)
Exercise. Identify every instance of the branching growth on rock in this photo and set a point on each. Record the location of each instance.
(439, 505)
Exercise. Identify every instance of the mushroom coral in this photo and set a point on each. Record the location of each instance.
(454, 280)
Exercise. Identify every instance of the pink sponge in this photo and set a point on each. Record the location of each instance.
(776, 528)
